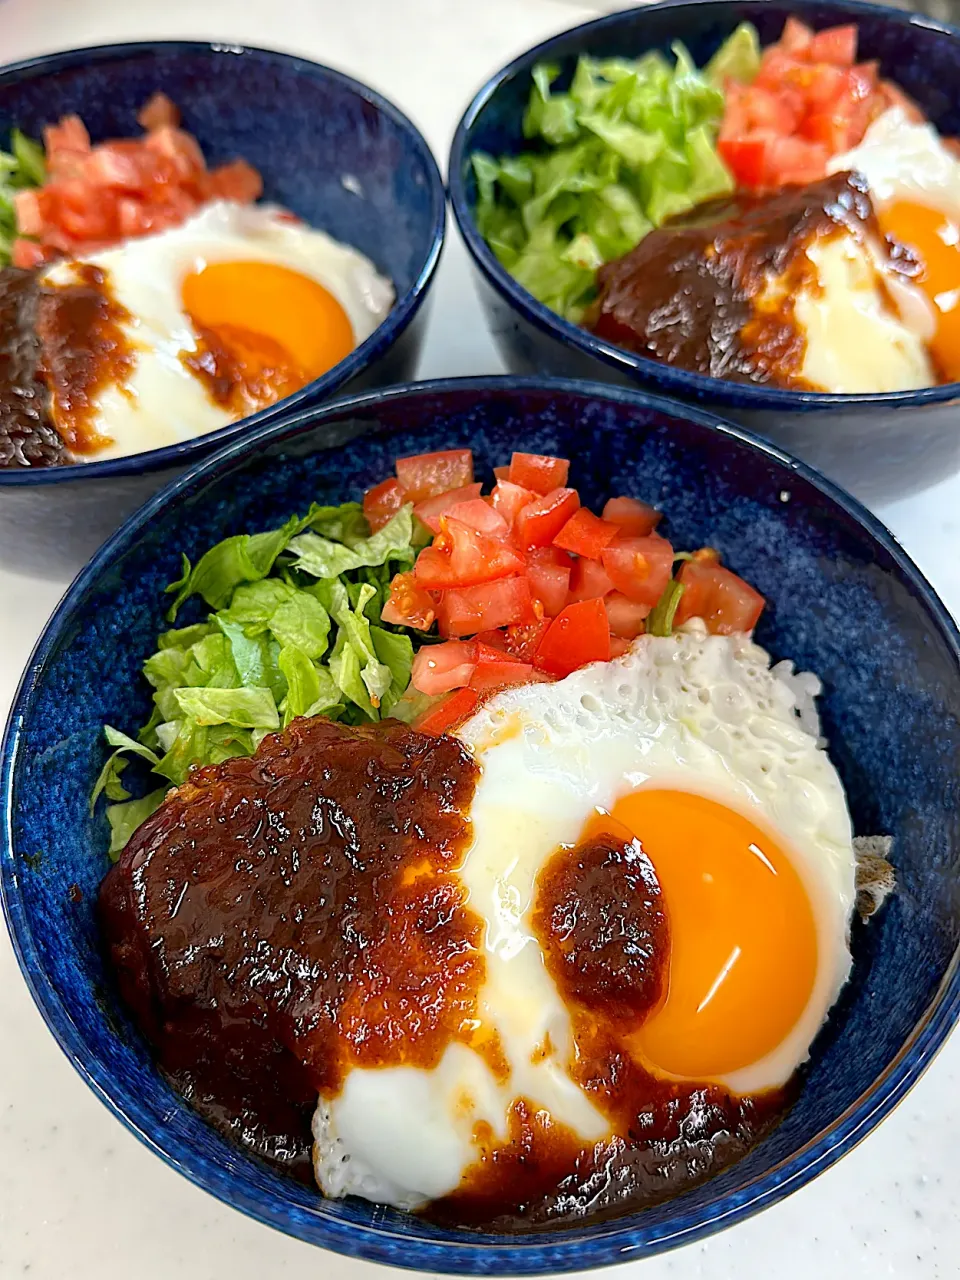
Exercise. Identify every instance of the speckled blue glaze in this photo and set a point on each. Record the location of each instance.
(878, 446)
(331, 150)
(844, 601)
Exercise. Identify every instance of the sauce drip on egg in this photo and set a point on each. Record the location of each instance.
(263, 332)
(743, 940)
(85, 349)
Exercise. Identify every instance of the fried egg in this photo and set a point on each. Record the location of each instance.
(914, 181)
(696, 749)
(223, 315)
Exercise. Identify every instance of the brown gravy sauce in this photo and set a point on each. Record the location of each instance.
(84, 349)
(286, 916)
(242, 372)
(692, 292)
(28, 438)
(601, 921)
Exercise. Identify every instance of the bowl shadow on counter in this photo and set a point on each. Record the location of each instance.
(880, 447)
(844, 602)
(334, 152)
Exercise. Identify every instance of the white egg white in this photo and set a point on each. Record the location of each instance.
(163, 403)
(905, 161)
(701, 713)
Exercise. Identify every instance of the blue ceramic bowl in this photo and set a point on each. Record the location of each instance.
(878, 446)
(331, 150)
(844, 601)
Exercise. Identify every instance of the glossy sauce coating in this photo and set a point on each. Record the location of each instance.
(690, 293)
(285, 916)
(242, 371)
(601, 921)
(85, 349)
(27, 435)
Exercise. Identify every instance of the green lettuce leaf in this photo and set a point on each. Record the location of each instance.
(244, 708)
(321, 557)
(628, 145)
(296, 630)
(125, 818)
(738, 58)
(247, 557)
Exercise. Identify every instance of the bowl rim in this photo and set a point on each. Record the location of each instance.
(741, 396)
(539, 1253)
(385, 335)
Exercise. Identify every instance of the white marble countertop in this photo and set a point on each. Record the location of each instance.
(80, 1198)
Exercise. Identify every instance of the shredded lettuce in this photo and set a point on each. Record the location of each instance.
(21, 167)
(295, 629)
(629, 144)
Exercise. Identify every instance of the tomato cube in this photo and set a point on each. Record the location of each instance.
(578, 635)
(465, 611)
(640, 568)
(538, 472)
(428, 474)
(448, 713)
(540, 522)
(585, 534)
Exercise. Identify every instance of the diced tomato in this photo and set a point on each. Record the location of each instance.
(746, 158)
(797, 37)
(578, 635)
(431, 509)
(461, 557)
(722, 599)
(410, 605)
(639, 567)
(502, 473)
(627, 618)
(70, 135)
(809, 100)
(438, 668)
(538, 472)
(549, 572)
(468, 610)
(618, 646)
(631, 516)
(510, 499)
(426, 475)
(237, 181)
(382, 502)
(589, 580)
(539, 523)
(491, 675)
(586, 534)
(893, 96)
(30, 220)
(180, 148)
(448, 713)
(477, 514)
(158, 111)
(27, 253)
(796, 162)
(836, 45)
(522, 640)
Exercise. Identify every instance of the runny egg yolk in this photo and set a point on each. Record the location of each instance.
(935, 239)
(743, 939)
(289, 313)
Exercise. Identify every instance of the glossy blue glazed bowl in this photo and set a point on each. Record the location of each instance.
(879, 447)
(331, 150)
(844, 601)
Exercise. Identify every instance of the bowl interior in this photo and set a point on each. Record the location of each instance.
(844, 603)
(329, 149)
(921, 57)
